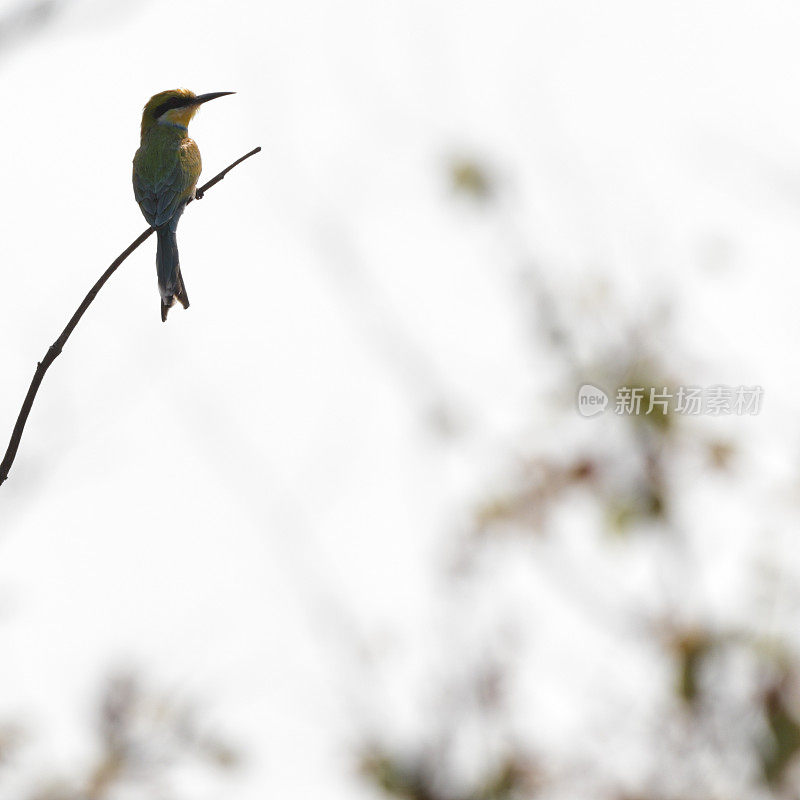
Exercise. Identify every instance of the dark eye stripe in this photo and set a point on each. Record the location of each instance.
(173, 102)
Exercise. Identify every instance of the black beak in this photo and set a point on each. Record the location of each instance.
(204, 98)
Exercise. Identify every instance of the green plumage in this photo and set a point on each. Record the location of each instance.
(165, 172)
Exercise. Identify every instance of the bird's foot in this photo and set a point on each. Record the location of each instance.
(199, 194)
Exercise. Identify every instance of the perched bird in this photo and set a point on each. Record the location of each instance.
(165, 172)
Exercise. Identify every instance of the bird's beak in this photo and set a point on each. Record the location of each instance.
(204, 98)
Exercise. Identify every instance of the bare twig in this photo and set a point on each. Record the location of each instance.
(55, 349)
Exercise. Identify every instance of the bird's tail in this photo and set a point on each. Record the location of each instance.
(170, 280)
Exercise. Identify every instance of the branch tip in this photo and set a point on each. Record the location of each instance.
(55, 349)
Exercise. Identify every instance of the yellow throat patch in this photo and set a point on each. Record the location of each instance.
(179, 116)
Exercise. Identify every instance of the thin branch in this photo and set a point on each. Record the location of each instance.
(55, 349)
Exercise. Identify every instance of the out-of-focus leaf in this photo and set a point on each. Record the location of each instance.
(470, 178)
(690, 649)
(396, 777)
(541, 484)
(720, 454)
(513, 778)
(784, 743)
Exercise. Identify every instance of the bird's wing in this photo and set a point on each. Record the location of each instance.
(161, 198)
(145, 197)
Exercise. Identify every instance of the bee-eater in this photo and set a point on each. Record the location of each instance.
(165, 172)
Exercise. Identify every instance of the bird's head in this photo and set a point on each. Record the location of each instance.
(174, 107)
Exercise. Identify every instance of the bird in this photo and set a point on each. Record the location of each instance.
(166, 168)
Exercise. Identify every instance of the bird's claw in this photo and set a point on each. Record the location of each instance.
(199, 194)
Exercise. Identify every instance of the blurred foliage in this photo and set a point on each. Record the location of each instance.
(690, 649)
(398, 779)
(418, 779)
(779, 751)
(715, 732)
(629, 499)
(141, 737)
(720, 454)
(514, 777)
(541, 483)
(468, 177)
(11, 739)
